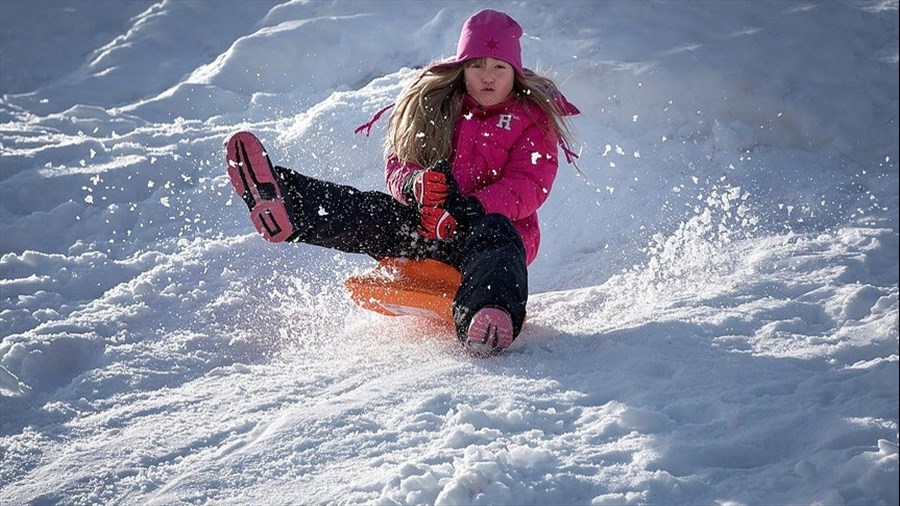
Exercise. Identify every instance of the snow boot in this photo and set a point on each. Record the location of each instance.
(255, 181)
(489, 332)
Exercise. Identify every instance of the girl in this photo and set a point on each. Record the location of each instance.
(471, 154)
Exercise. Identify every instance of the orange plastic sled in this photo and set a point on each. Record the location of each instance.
(400, 286)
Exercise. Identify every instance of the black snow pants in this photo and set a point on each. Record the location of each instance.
(489, 253)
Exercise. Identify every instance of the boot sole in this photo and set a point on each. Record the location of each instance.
(489, 332)
(254, 180)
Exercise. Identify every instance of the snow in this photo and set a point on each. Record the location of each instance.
(713, 315)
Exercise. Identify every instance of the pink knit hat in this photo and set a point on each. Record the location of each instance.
(489, 33)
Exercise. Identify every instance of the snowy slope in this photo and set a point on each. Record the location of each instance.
(713, 314)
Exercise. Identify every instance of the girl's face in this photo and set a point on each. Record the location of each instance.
(488, 80)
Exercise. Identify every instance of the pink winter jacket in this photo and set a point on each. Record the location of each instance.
(503, 157)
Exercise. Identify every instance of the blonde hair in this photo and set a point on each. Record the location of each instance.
(420, 128)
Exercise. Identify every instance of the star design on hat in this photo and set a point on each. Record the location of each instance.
(491, 44)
